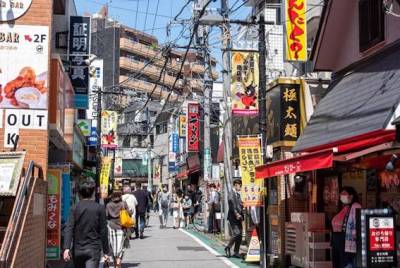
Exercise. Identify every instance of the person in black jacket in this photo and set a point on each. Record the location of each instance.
(142, 196)
(235, 218)
(86, 231)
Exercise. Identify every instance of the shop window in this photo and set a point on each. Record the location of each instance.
(371, 23)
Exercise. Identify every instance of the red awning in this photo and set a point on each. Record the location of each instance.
(312, 161)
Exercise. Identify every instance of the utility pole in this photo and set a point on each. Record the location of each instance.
(149, 146)
(226, 75)
(98, 144)
(263, 132)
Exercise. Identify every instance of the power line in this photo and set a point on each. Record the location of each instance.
(147, 12)
(155, 17)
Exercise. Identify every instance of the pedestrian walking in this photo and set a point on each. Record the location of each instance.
(235, 219)
(154, 195)
(141, 209)
(214, 208)
(116, 233)
(132, 203)
(164, 201)
(86, 230)
(344, 246)
(175, 207)
(187, 208)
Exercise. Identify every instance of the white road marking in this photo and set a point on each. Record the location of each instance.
(211, 250)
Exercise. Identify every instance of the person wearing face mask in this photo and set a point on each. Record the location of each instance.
(187, 207)
(164, 203)
(344, 230)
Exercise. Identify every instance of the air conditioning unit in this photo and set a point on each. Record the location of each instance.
(306, 240)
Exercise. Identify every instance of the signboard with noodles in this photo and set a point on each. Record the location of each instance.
(104, 176)
(250, 157)
(296, 30)
(244, 84)
(193, 131)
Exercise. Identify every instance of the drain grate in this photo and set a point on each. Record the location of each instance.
(191, 248)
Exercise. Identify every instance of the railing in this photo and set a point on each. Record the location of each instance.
(20, 207)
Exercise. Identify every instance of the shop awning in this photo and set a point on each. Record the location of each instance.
(307, 162)
(358, 103)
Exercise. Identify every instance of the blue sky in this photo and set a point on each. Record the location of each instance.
(133, 13)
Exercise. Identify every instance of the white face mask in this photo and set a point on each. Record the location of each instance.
(345, 199)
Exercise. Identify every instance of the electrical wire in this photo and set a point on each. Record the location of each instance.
(147, 12)
(155, 17)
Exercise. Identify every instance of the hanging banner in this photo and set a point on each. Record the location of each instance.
(109, 120)
(182, 126)
(104, 176)
(193, 130)
(296, 30)
(54, 177)
(250, 157)
(244, 84)
(24, 65)
(118, 166)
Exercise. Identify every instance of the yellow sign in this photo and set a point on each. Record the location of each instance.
(105, 176)
(296, 30)
(244, 84)
(182, 125)
(250, 157)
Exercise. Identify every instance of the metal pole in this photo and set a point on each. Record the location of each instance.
(149, 146)
(263, 132)
(226, 74)
(98, 145)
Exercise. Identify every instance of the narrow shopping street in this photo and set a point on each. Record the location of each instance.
(170, 248)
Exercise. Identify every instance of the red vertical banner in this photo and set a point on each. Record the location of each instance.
(53, 214)
(193, 130)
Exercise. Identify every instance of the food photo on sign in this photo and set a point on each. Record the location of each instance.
(24, 67)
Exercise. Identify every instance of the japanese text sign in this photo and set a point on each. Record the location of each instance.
(54, 214)
(377, 246)
(193, 130)
(182, 125)
(104, 176)
(109, 121)
(250, 157)
(283, 113)
(296, 30)
(244, 84)
(79, 50)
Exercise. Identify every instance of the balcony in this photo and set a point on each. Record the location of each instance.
(196, 85)
(197, 68)
(147, 52)
(149, 70)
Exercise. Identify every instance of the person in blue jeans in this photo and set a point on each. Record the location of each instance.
(142, 196)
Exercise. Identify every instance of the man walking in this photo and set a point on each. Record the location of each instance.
(143, 203)
(164, 202)
(214, 208)
(235, 218)
(86, 230)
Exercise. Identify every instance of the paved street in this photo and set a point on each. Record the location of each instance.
(170, 248)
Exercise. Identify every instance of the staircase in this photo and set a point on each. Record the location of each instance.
(23, 221)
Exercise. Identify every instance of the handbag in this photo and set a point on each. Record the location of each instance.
(125, 219)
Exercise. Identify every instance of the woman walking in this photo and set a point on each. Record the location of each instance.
(116, 233)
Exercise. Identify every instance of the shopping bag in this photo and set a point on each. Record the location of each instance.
(126, 219)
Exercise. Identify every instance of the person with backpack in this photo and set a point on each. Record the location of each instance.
(86, 231)
(164, 201)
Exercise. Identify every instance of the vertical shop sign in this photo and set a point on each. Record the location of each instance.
(104, 176)
(250, 157)
(53, 214)
(79, 50)
(109, 120)
(118, 166)
(244, 84)
(296, 30)
(66, 194)
(193, 130)
(290, 112)
(182, 126)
